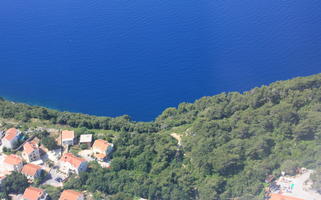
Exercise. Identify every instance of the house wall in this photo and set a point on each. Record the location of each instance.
(67, 168)
(9, 144)
(68, 142)
(13, 167)
(82, 197)
(35, 155)
(82, 167)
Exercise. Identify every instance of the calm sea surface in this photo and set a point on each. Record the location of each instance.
(114, 57)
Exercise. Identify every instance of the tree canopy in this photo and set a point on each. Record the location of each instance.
(230, 143)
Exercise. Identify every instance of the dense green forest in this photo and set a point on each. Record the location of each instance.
(230, 143)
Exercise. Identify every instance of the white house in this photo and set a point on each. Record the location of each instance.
(10, 139)
(31, 171)
(67, 137)
(71, 195)
(101, 149)
(70, 163)
(13, 163)
(32, 193)
(31, 152)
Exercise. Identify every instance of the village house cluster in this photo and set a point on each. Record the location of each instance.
(33, 160)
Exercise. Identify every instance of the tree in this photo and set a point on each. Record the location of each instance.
(316, 179)
(15, 183)
(49, 142)
(53, 192)
(289, 167)
(211, 187)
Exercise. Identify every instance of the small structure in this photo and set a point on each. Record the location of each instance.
(101, 149)
(67, 137)
(31, 152)
(70, 163)
(86, 139)
(31, 171)
(32, 193)
(71, 195)
(13, 163)
(11, 137)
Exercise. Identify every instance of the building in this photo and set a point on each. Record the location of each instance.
(13, 163)
(67, 137)
(31, 152)
(283, 197)
(71, 195)
(31, 171)
(54, 155)
(101, 149)
(11, 137)
(32, 193)
(70, 163)
(86, 139)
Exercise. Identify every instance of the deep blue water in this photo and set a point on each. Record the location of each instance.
(114, 57)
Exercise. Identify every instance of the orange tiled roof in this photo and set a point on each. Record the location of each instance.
(100, 156)
(13, 160)
(29, 147)
(283, 197)
(70, 195)
(11, 133)
(102, 145)
(32, 193)
(67, 135)
(72, 159)
(30, 169)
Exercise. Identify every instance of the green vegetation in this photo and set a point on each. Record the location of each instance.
(26, 113)
(49, 143)
(230, 143)
(15, 183)
(53, 192)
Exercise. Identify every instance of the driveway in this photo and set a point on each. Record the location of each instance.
(53, 175)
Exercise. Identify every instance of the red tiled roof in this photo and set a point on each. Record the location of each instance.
(29, 147)
(30, 169)
(283, 197)
(72, 159)
(102, 145)
(13, 159)
(68, 135)
(70, 195)
(11, 133)
(32, 193)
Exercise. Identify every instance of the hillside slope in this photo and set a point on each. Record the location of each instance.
(230, 143)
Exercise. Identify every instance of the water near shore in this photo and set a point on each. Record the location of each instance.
(139, 57)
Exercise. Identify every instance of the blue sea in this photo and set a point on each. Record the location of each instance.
(115, 57)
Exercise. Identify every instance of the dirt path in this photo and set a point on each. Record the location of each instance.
(177, 137)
